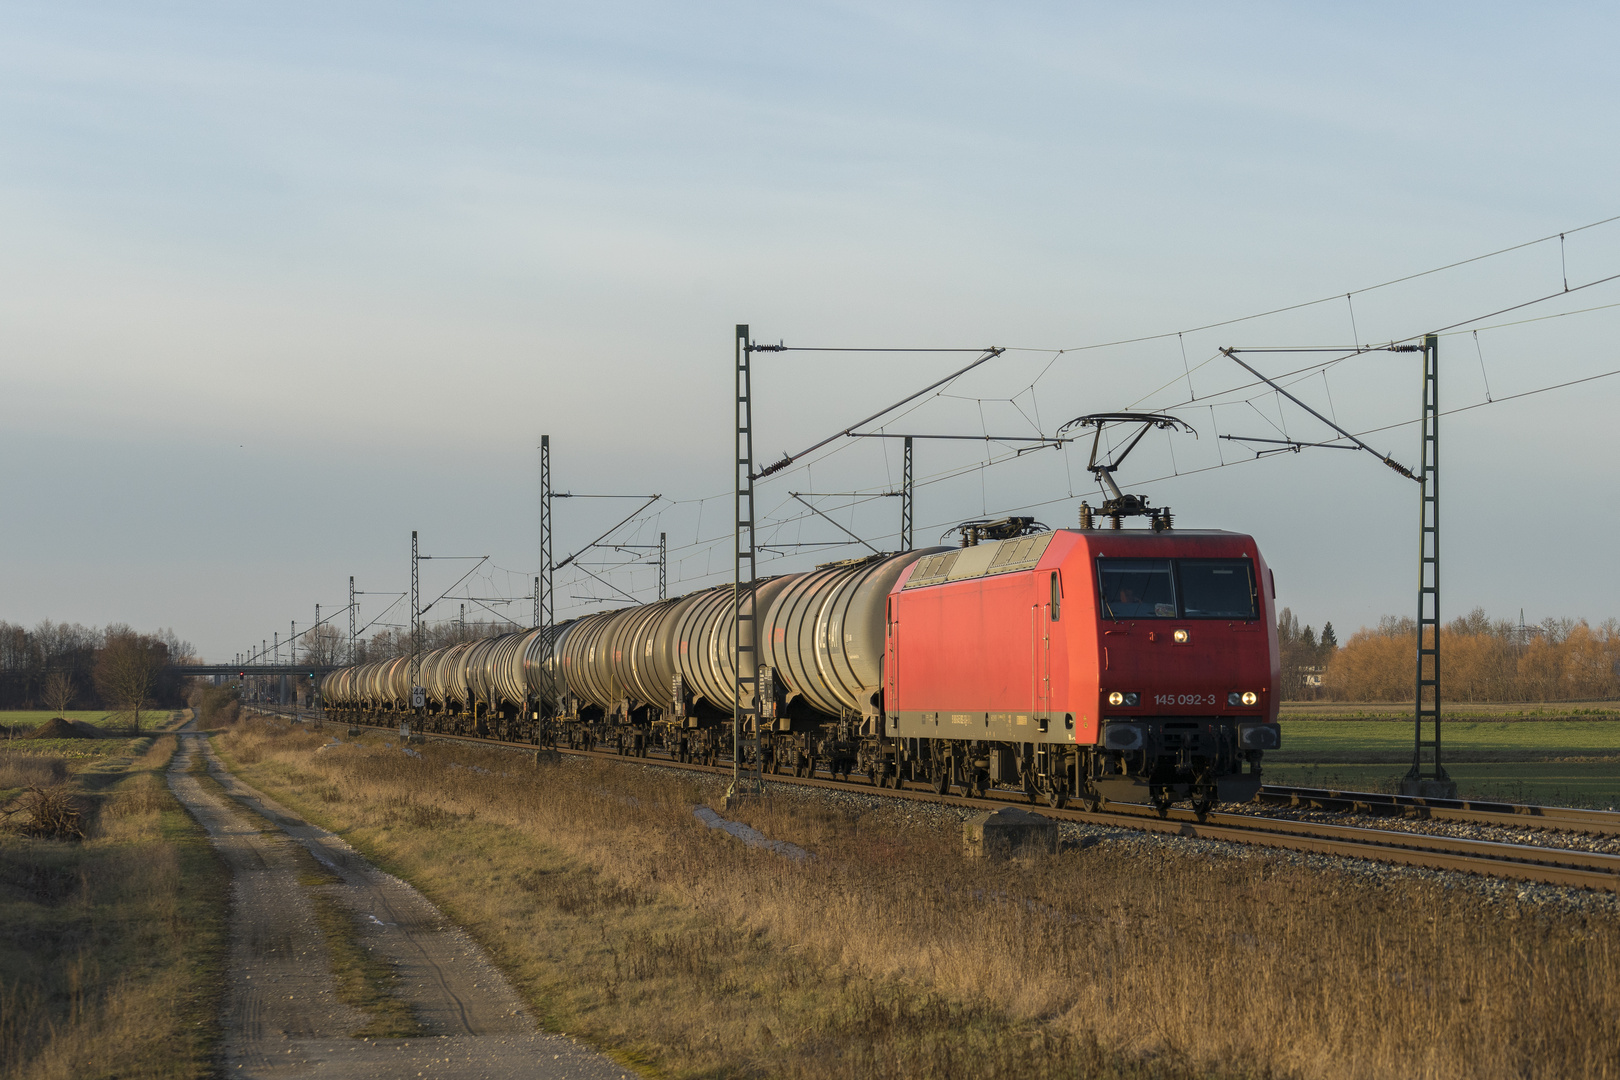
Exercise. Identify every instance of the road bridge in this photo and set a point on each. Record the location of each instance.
(292, 682)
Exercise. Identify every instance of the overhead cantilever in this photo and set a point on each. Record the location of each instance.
(1385, 458)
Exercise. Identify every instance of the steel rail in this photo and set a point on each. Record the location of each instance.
(1524, 862)
(1474, 811)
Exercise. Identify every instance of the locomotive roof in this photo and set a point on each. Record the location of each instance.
(993, 557)
(1168, 534)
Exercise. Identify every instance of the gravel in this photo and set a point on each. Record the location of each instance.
(1542, 836)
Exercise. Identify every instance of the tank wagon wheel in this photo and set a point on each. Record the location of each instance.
(1161, 798)
(941, 779)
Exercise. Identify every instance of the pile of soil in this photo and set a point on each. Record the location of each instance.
(59, 728)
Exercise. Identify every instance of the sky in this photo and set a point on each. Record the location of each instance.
(282, 283)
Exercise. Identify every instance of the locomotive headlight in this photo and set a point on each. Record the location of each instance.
(1250, 697)
(1116, 698)
(1247, 697)
(1133, 699)
(1182, 637)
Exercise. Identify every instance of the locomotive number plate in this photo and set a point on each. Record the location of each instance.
(1186, 699)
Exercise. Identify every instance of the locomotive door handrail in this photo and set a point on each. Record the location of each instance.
(891, 659)
(1040, 619)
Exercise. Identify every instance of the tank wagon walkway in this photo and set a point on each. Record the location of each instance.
(282, 1014)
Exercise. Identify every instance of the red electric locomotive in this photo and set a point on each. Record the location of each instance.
(1128, 664)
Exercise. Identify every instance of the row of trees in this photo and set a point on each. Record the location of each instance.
(1482, 659)
(1305, 657)
(390, 642)
(59, 666)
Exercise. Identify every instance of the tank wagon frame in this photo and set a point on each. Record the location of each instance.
(1088, 664)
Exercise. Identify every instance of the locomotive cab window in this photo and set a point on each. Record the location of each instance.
(1176, 588)
(1217, 589)
(1057, 597)
(1136, 588)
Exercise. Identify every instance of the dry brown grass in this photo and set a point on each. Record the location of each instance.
(623, 918)
(31, 770)
(112, 949)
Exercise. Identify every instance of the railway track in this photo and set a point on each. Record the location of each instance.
(1524, 862)
(1473, 811)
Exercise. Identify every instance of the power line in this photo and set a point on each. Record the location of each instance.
(1338, 295)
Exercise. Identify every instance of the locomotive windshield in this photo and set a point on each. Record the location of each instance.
(1217, 589)
(1137, 588)
(1177, 588)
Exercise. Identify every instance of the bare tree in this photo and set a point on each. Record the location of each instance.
(128, 669)
(325, 646)
(59, 691)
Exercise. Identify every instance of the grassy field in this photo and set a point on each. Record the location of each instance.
(17, 725)
(1452, 710)
(624, 920)
(1538, 755)
(112, 948)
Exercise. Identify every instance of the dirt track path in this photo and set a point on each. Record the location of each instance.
(283, 1017)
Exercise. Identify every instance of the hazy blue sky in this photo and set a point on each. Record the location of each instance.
(280, 283)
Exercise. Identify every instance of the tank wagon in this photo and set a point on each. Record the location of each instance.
(1087, 664)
